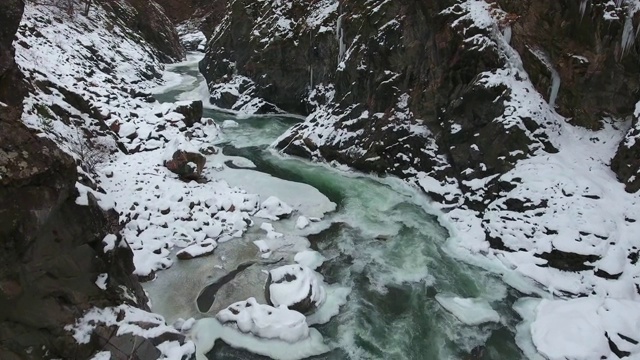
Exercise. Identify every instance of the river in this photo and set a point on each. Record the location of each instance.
(383, 242)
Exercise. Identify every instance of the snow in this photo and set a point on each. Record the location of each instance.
(101, 281)
(109, 242)
(130, 320)
(290, 284)
(302, 222)
(274, 209)
(103, 355)
(576, 328)
(469, 311)
(200, 249)
(265, 321)
(206, 331)
(309, 258)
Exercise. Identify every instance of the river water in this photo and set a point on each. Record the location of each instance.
(383, 242)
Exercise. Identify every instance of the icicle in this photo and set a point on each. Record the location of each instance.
(340, 37)
(507, 34)
(310, 77)
(583, 8)
(628, 37)
(555, 87)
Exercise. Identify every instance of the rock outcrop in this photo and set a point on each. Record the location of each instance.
(150, 21)
(58, 259)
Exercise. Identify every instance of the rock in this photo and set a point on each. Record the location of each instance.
(187, 165)
(52, 249)
(274, 209)
(153, 25)
(295, 286)
(626, 162)
(204, 248)
(192, 111)
(265, 321)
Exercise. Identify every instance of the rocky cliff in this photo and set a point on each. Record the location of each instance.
(509, 114)
(61, 256)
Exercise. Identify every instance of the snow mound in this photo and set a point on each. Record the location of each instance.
(302, 222)
(309, 258)
(274, 209)
(296, 287)
(581, 328)
(265, 321)
(227, 124)
(470, 311)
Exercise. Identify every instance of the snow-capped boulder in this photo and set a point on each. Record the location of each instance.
(191, 110)
(184, 159)
(265, 321)
(295, 286)
(201, 249)
(274, 209)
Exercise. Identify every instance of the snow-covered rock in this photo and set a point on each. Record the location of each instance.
(265, 321)
(274, 209)
(201, 249)
(296, 287)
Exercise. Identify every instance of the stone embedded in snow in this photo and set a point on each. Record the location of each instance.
(296, 287)
(265, 321)
(184, 159)
(302, 222)
(127, 130)
(262, 245)
(470, 311)
(274, 209)
(227, 124)
(311, 259)
(197, 250)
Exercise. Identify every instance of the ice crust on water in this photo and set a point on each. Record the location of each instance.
(470, 311)
(266, 322)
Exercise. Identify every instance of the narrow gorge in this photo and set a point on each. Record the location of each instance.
(326, 179)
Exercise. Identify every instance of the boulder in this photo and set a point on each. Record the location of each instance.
(265, 321)
(192, 111)
(295, 286)
(187, 165)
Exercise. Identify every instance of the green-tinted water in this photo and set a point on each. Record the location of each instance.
(387, 247)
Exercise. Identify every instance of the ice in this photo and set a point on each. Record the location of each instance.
(291, 284)
(470, 311)
(265, 321)
(227, 124)
(109, 242)
(274, 209)
(262, 246)
(336, 297)
(309, 258)
(101, 281)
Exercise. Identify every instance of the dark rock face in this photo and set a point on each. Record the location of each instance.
(598, 73)
(149, 19)
(626, 163)
(52, 250)
(11, 93)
